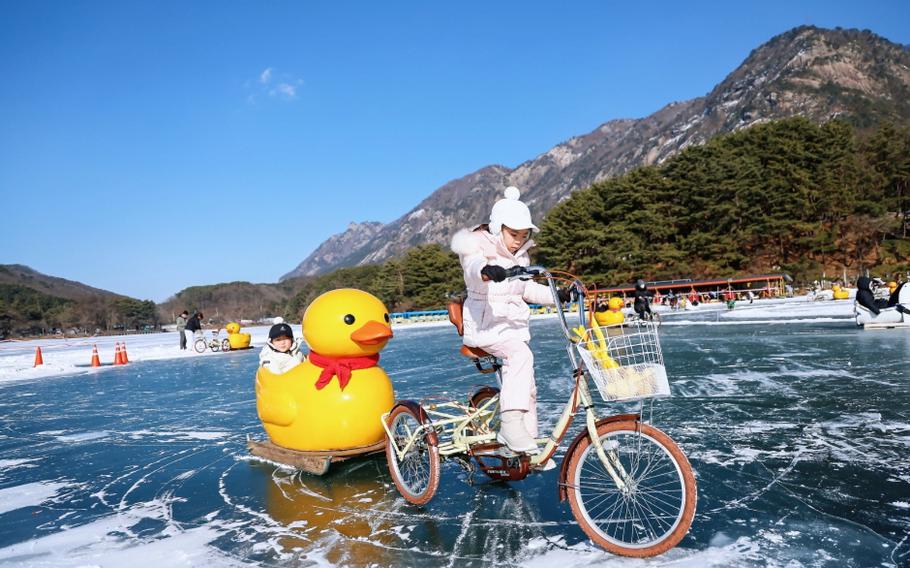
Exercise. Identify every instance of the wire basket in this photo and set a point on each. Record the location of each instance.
(627, 363)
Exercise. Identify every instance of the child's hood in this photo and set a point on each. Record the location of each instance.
(467, 242)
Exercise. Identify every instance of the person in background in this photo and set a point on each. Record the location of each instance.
(195, 324)
(642, 303)
(282, 353)
(181, 327)
(865, 295)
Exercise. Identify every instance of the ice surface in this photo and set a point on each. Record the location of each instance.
(794, 420)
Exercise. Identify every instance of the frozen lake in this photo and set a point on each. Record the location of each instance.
(798, 430)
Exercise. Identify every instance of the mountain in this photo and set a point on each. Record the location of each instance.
(337, 250)
(32, 303)
(20, 275)
(811, 72)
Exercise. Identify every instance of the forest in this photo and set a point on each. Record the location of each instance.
(24, 311)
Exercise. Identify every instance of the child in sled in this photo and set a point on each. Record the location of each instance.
(282, 353)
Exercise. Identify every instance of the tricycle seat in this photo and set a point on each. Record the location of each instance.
(474, 352)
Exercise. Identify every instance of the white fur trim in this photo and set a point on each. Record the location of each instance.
(465, 242)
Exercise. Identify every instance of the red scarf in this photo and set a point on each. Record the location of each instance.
(341, 366)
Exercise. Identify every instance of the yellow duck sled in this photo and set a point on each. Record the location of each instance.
(235, 338)
(328, 408)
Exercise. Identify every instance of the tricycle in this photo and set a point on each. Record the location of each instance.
(629, 486)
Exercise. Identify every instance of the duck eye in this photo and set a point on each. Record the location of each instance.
(387, 318)
(349, 319)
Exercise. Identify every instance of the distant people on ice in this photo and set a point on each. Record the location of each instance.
(282, 353)
(194, 325)
(181, 327)
(642, 304)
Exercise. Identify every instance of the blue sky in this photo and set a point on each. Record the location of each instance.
(149, 146)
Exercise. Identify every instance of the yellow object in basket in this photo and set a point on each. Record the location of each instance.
(629, 382)
(600, 352)
(597, 349)
(840, 293)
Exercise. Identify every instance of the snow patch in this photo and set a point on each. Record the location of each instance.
(12, 464)
(28, 495)
(83, 436)
(722, 552)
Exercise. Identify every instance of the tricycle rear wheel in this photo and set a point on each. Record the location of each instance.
(478, 399)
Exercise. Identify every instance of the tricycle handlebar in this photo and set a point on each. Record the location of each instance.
(577, 294)
(523, 272)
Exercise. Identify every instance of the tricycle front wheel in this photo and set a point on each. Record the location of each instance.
(654, 511)
(416, 472)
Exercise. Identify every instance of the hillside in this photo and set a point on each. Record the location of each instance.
(32, 303)
(19, 275)
(814, 73)
(232, 301)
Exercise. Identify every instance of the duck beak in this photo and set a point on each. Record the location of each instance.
(372, 333)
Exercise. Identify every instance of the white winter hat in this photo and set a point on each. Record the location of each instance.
(511, 212)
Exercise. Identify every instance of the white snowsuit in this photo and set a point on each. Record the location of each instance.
(278, 362)
(496, 316)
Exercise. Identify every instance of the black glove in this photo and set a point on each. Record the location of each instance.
(564, 295)
(494, 273)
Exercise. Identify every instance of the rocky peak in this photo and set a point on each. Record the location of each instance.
(338, 250)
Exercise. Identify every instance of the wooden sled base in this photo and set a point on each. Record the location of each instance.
(315, 462)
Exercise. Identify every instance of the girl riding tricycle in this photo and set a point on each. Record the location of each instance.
(629, 486)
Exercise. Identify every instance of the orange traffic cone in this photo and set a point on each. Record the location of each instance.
(39, 360)
(96, 362)
(123, 356)
(118, 359)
